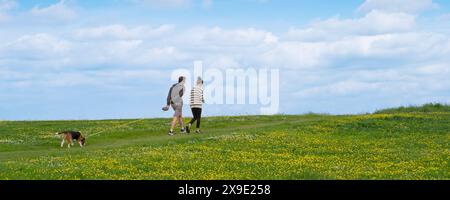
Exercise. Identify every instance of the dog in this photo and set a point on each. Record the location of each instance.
(70, 136)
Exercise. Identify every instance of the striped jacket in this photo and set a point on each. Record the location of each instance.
(197, 97)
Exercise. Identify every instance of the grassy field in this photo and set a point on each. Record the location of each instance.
(388, 145)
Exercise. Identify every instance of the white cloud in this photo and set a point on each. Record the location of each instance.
(259, 1)
(164, 3)
(373, 23)
(174, 3)
(341, 88)
(118, 31)
(385, 55)
(406, 6)
(160, 57)
(445, 17)
(304, 55)
(35, 46)
(435, 69)
(351, 50)
(378, 35)
(56, 12)
(3, 17)
(381, 84)
(217, 36)
(5, 6)
(164, 46)
(207, 3)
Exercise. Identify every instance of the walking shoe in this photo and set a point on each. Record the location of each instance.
(188, 129)
(183, 131)
(171, 133)
(198, 132)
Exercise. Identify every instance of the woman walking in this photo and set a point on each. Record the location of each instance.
(196, 105)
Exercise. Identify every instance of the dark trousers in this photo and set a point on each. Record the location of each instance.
(197, 113)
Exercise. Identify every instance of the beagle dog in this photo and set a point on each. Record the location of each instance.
(70, 136)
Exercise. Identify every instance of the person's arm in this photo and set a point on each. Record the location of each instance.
(182, 92)
(169, 96)
(191, 98)
(203, 99)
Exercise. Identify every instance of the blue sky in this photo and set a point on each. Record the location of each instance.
(80, 59)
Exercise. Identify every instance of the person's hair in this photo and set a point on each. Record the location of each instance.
(180, 79)
(199, 80)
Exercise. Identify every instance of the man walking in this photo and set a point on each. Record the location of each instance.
(175, 99)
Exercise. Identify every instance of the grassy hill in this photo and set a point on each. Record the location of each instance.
(387, 145)
(427, 108)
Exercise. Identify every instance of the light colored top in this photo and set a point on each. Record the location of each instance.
(176, 94)
(197, 97)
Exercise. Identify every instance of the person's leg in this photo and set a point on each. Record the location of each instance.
(188, 127)
(199, 117)
(197, 114)
(194, 116)
(180, 118)
(192, 121)
(181, 122)
(174, 123)
(174, 120)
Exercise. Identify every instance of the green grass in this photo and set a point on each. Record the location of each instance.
(431, 107)
(392, 145)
